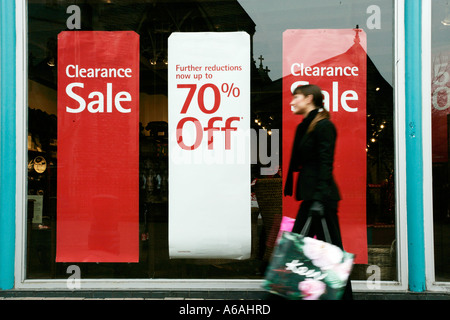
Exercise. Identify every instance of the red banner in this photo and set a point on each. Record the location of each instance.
(335, 60)
(98, 147)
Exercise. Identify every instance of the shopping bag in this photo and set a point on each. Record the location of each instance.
(304, 268)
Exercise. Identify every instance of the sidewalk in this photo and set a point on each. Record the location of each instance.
(193, 295)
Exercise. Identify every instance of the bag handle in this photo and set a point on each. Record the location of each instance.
(307, 226)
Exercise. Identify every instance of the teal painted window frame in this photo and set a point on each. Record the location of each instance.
(7, 142)
(413, 141)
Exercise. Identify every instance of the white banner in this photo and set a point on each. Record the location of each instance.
(209, 145)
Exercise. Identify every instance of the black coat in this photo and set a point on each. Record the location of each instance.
(313, 156)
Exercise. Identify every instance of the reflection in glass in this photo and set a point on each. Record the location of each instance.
(440, 103)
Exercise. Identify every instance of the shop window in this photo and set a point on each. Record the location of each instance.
(154, 21)
(440, 103)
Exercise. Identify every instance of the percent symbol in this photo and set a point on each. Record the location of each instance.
(230, 89)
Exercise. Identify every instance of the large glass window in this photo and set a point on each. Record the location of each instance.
(154, 21)
(440, 90)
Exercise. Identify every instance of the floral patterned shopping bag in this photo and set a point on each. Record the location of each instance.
(304, 268)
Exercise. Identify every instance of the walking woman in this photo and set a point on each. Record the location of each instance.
(312, 156)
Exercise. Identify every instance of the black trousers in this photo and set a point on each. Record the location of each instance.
(316, 229)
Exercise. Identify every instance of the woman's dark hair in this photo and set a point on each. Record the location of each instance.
(316, 92)
(311, 89)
